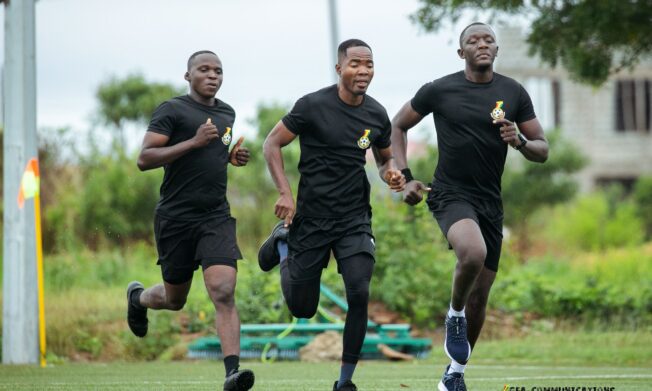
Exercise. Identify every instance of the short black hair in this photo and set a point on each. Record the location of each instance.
(349, 43)
(471, 25)
(195, 54)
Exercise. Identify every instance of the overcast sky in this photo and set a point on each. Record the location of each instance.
(271, 50)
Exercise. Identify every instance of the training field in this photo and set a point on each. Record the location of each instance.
(371, 376)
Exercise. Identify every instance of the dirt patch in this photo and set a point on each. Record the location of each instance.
(379, 313)
(324, 347)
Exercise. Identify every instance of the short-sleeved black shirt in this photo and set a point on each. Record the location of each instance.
(471, 151)
(194, 185)
(334, 138)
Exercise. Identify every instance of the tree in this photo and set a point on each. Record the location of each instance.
(132, 99)
(591, 39)
(534, 186)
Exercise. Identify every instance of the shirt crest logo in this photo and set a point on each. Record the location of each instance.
(364, 141)
(498, 113)
(226, 139)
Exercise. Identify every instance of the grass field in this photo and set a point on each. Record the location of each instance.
(376, 376)
(537, 362)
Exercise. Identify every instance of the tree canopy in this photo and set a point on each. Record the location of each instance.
(590, 39)
(131, 99)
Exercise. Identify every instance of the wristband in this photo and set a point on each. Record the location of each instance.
(407, 174)
(523, 141)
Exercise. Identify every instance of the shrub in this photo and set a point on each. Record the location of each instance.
(413, 265)
(643, 197)
(593, 286)
(594, 222)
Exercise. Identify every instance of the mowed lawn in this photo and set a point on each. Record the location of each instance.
(377, 376)
(598, 361)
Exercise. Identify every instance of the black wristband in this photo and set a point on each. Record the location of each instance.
(407, 174)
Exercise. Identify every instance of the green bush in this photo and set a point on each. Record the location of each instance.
(414, 267)
(595, 222)
(95, 270)
(163, 333)
(117, 201)
(643, 197)
(593, 286)
(108, 203)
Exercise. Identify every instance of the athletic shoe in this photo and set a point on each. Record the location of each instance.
(456, 343)
(346, 386)
(268, 255)
(451, 382)
(239, 380)
(136, 316)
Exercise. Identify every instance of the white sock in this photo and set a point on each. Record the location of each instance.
(452, 312)
(456, 367)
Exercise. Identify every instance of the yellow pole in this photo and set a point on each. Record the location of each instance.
(39, 276)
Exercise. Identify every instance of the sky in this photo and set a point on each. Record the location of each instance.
(272, 51)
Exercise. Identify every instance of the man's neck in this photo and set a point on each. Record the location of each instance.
(484, 75)
(349, 98)
(201, 100)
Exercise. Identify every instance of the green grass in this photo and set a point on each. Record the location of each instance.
(376, 376)
(578, 347)
(541, 359)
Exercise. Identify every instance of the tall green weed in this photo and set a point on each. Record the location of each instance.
(595, 222)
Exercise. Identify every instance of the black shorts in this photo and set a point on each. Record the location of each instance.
(184, 245)
(450, 206)
(311, 241)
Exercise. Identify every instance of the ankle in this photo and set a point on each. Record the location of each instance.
(134, 299)
(452, 312)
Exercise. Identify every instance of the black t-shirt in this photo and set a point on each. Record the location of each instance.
(194, 185)
(471, 151)
(334, 138)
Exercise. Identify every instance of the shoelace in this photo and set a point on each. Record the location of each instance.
(456, 331)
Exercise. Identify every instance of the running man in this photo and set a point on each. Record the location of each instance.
(477, 113)
(190, 136)
(335, 125)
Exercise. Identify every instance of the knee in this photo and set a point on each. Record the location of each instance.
(303, 305)
(176, 304)
(222, 295)
(302, 311)
(472, 257)
(358, 295)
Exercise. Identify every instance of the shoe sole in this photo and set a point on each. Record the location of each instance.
(263, 266)
(130, 288)
(245, 381)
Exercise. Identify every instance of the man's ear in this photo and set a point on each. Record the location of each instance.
(187, 76)
(338, 69)
(497, 47)
(460, 53)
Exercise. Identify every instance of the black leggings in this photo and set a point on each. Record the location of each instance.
(302, 298)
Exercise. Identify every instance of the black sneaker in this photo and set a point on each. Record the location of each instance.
(456, 343)
(136, 316)
(346, 386)
(452, 382)
(239, 380)
(268, 255)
